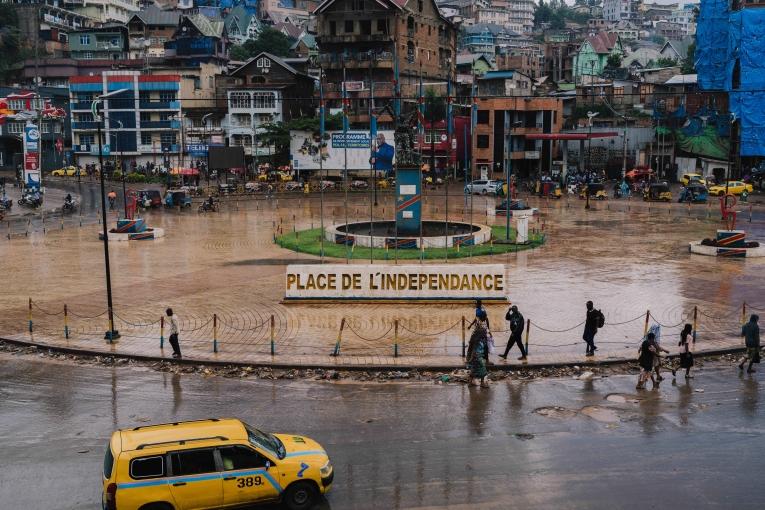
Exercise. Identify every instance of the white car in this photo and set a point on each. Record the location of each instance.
(483, 187)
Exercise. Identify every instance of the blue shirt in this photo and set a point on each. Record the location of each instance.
(384, 157)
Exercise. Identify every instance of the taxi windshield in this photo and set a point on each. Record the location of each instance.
(268, 442)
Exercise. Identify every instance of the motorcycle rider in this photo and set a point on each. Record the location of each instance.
(210, 205)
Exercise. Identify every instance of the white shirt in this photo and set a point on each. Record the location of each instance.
(173, 319)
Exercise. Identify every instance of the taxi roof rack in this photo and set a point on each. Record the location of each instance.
(174, 423)
(181, 441)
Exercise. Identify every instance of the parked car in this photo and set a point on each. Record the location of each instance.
(734, 188)
(483, 187)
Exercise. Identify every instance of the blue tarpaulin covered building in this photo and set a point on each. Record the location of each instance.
(730, 56)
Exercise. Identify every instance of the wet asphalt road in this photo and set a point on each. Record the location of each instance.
(557, 443)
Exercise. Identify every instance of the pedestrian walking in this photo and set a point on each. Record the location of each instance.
(686, 356)
(594, 320)
(751, 333)
(517, 323)
(478, 351)
(112, 196)
(655, 329)
(482, 327)
(646, 356)
(174, 330)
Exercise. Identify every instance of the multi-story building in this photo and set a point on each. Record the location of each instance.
(198, 39)
(685, 17)
(149, 30)
(668, 30)
(618, 10)
(264, 90)
(381, 43)
(560, 46)
(19, 106)
(505, 132)
(105, 43)
(493, 14)
(487, 38)
(142, 123)
(241, 24)
(48, 23)
(521, 15)
(104, 10)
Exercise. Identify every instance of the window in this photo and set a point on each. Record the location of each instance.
(482, 141)
(146, 139)
(482, 117)
(348, 26)
(264, 100)
(88, 55)
(357, 5)
(239, 100)
(16, 127)
(240, 457)
(84, 40)
(167, 138)
(332, 28)
(147, 467)
(45, 127)
(87, 139)
(145, 117)
(108, 463)
(365, 25)
(263, 62)
(419, 5)
(164, 116)
(167, 96)
(193, 462)
(144, 96)
(382, 26)
(56, 127)
(85, 117)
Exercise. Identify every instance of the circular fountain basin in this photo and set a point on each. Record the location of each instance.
(435, 234)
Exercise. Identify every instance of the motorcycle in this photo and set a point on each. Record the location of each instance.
(207, 207)
(69, 207)
(30, 200)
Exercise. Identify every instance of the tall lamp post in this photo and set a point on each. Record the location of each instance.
(111, 334)
(508, 173)
(590, 116)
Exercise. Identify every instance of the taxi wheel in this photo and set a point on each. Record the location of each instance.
(300, 496)
(157, 506)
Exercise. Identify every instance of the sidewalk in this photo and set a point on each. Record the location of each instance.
(196, 355)
(52, 202)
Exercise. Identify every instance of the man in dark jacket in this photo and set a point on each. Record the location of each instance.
(590, 328)
(516, 330)
(751, 333)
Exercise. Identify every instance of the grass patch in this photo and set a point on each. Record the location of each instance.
(309, 241)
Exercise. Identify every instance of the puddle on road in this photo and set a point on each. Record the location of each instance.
(619, 398)
(555, 412)
(601, 414)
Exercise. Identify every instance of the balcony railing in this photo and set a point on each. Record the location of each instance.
(85, 125)
(160, 124)
(82, 148)
(81, 105)
(159, 105)
(356, 59)
(379, 87)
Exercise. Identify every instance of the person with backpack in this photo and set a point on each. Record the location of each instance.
(646, 356)
(593, 321)
(517, 324)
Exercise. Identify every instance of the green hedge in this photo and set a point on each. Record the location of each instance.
(309, 241)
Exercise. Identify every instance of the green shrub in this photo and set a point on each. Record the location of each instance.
(135, 177)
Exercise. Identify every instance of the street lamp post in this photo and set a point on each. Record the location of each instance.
(590, 116)
(508, 173)
(111, 334)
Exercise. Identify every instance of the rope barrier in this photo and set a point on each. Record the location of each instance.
(431, 334)
(352, 330)
(138, 325)
(558, 330)
(46, 312)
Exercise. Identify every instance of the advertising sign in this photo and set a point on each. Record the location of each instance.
(305, 153)
(31, 156)
(396, 282)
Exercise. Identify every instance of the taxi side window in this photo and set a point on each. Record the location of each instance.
(240, 457)
(193, 462)
(147, 467)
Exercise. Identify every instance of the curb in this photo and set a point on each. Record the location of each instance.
(343, 366)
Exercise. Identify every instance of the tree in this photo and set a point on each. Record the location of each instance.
(277, 134)
(435, 106)
(269, 40)
(666, 62)
(557, 21)
(542, 14)
(689, 64)
(12, 48)
(614, 61)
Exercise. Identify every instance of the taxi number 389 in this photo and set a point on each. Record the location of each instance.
(249, 481)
